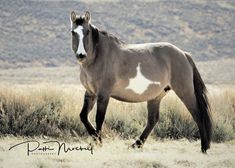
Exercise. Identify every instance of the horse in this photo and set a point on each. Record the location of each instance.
(111, 68)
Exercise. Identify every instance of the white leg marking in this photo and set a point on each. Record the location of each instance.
(139, 83)
(81, 49)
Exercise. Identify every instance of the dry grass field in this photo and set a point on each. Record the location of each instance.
(115, 154)
(51, 111)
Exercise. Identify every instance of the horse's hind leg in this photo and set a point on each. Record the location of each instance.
(187, 96)
(153, 117)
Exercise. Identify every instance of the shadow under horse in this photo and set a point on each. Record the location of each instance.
(135, 73)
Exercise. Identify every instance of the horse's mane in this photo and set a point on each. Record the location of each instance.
(109, 35)
(96, 38)
(105, 33)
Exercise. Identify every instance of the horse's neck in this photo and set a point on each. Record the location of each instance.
(105, 49)
(109, 43)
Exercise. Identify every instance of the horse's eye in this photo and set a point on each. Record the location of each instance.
(73, 32)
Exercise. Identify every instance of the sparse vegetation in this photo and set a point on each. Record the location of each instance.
(54, 111)
(37, 111)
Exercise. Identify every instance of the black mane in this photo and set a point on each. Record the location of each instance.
(95, 37)
(119, 41)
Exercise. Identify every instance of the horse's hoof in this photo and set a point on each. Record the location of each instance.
(137, 144)
(98, 141)
(204, 151)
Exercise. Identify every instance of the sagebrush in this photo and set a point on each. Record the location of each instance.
(54, 111)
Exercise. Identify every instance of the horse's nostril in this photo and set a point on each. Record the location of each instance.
(80, 56)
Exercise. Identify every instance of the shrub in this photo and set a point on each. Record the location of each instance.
(54, 111)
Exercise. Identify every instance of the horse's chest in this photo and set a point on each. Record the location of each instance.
(88, 83)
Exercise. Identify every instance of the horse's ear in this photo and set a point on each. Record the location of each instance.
(73, 16)
(87, 16)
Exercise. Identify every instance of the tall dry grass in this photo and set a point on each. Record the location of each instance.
(36, 110)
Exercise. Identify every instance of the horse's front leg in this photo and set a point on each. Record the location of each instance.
(102, 104)
(89, 101)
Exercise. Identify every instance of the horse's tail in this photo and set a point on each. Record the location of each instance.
(204, 113)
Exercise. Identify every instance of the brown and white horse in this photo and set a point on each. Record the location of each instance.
(136, 73)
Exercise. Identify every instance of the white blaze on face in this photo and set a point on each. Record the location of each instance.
(80, 49)
(139, 83)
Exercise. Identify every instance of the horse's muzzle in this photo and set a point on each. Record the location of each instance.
(81, 57)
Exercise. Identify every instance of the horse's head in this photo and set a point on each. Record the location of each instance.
(81, 35)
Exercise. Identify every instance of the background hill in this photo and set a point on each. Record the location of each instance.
(36, 33)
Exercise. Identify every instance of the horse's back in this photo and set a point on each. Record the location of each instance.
(164, 55)
(161, 51)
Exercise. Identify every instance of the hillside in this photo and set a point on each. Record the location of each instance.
(35, 33)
